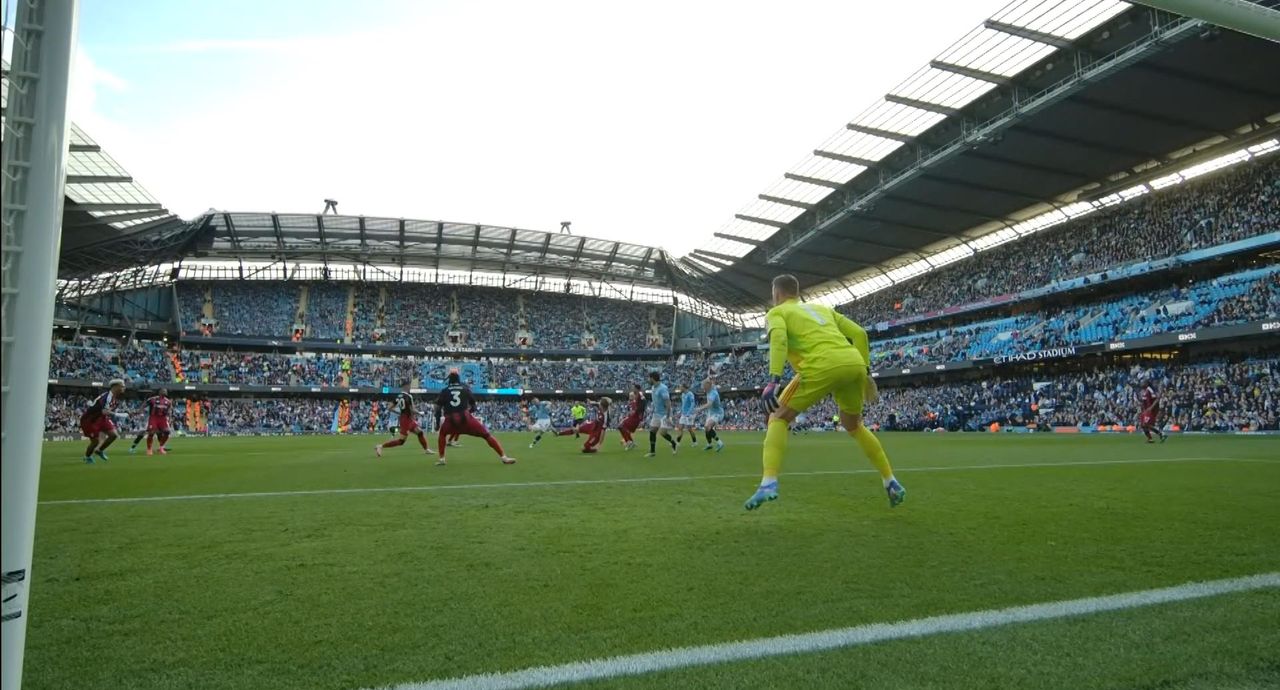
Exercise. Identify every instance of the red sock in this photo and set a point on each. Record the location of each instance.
(497, 447)
(566, 432)
(149, 437)
(393, 443)
(422, 440)
(441, 443)
(164, 439)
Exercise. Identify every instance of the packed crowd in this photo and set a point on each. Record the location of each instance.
(1195, 397)
(1215, 396)
(1213, 210)
(326, 311)
(1240, 298)
(421, 314)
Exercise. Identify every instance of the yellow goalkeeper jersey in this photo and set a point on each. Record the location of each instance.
(800, 333)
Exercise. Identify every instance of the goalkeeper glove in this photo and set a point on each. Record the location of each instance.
(769, 396)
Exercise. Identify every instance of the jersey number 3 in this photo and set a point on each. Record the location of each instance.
(455, 398)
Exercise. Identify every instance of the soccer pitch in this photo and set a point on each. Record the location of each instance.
(309, 563)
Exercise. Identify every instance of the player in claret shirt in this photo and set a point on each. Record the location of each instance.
(1149, 412)
(159, 408)
(595, 428)
(634, 418)
(408, 424)
(96, 422)
(454, 410)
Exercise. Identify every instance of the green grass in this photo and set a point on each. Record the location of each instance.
(352, 590)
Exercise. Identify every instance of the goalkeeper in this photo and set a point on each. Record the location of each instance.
(829, 354)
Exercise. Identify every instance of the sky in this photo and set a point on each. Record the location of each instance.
(646, 122)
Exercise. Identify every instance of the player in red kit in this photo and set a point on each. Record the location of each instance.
(408, 424)
(454, 410)
(635, 416)
(159, 408)
(96, 422)
(1150, 410)
(595, 428)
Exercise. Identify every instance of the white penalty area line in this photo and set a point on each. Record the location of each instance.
(808, 643)
(907, 471)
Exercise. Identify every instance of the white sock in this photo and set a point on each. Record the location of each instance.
(769, 483)
(890, 480)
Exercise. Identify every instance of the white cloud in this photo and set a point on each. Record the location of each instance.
(652, 125)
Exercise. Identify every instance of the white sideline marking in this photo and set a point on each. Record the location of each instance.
(685, 657)
(620, 480)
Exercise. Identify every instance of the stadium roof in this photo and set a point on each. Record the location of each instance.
(1047, 103)
(110, 222)
(442, 245)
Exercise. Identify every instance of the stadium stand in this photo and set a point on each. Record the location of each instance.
(1208, 396)
(1210, 211)
(418, 315)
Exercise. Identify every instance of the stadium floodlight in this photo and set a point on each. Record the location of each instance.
(35, 154)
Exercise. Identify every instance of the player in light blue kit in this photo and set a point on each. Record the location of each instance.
(688, 413)
(715, 414)
(540, 416)
(660, 415)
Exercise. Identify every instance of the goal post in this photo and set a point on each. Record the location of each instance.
(34, 167)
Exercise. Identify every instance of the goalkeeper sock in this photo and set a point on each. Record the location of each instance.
(775, 446)
(874, 451)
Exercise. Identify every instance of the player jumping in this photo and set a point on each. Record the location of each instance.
(595, 428)
(158, 409)
(659, 418)
(408, 424)
(715, 414)
(454, 416)
(1150, 403)
(829, 354)
(540, 414)
(633, 419)
(96, 424)
(688, 415)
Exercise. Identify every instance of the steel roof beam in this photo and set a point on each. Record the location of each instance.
(903, 224)
(787, 202)
(816, 181)
(1112, 149)
(738, 238)
(1029, 34)
(882, 133)
(970, 72)
(761, 221)
(922, 105)
(1033, 167)
(275, 227)
(1170, 120)
(117, 206)
(85, 148)
(864, 162)
(965, 184)
(97, 179)
(115, 218)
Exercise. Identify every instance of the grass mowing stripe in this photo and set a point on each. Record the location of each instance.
(686, 657)
(623, 480)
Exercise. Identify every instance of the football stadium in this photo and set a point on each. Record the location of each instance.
(999, 359)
